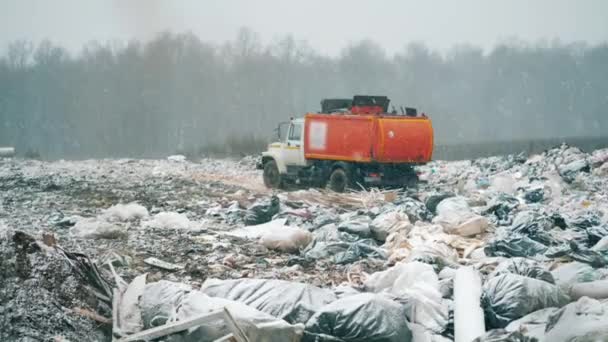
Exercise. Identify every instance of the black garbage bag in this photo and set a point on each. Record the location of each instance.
(535, 195)
(291, 301)
(262, 211)
(524, 267)
(361, 317)
(414, 209)
(501, 207)
(501, 335)
(559, 221)
(595, 234)
(358, 225)
(508, 297)
(597, 259)
(514, 246)
(534, 225)
(342, 252)
(432, 201)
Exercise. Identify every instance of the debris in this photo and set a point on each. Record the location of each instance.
(95, 229)
(163, 264)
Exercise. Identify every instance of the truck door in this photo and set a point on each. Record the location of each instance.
(293, 153)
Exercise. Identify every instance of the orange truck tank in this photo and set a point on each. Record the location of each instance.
(350, 143)
(368, 138)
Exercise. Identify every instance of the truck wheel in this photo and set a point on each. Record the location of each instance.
(272, 177)
(338, 180)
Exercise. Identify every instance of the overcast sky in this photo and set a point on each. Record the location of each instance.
(327, 25)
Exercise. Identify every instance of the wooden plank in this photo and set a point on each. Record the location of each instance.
(174, 327)
(238, 333)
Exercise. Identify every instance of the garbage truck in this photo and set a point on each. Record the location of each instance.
(350, 143)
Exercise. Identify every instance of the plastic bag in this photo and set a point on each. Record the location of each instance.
(286, 239)
(437, 254)
(597, 259)
(501, 335)
(502, 206)
(159, 301)
(389, 222)
(256, 325)
(363, 317)
(341, 252)
(508, 297)
(358, 225)
(417, 286)
(414, 209)
(566, 275)
(584, 320)
(262, 211)
(514, 246)
(451, 212)
(535, 226)
(524, 267)
(432, 201)
(532, 325)
(293, 302)
(572, 169)
(534, 195)
(595, 234)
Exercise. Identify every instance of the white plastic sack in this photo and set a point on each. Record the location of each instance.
(456, 217)
(584, 320)
(287, 239)
(417, 285)
(258, 326)
(167, 301)
(533, 325)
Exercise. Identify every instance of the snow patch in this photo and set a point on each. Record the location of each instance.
(125, 212)
(170, 220)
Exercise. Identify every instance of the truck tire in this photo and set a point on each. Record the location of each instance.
(338, 180)
(272, 176)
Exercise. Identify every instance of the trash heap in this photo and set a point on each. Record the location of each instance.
(506, 248)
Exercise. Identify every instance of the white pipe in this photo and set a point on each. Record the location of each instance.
(469, 322)
(7, 151)
(596, 289)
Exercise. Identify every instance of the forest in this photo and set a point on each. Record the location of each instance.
(179, 94)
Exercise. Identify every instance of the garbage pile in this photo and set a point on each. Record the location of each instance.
(506, 248)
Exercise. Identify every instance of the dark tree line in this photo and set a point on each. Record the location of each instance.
(177, 93)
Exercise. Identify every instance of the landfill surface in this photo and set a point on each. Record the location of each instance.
(368, 265)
